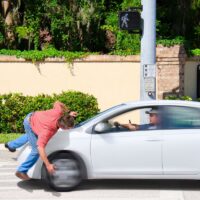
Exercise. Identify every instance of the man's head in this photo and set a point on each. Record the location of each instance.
(66, 121)
(153, 116)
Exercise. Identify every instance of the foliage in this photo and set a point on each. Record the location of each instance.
(85, 105)
(130, 3)
(186, 98)
(36, 55)
(1, 31)
(179, 40)
(195, 52)
(1, 38)
(179, 18)
(23, 31)
(14, 107)
(92, 25)
(72, 25)
(125, 43)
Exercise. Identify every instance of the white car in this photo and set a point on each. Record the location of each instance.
(97, 149)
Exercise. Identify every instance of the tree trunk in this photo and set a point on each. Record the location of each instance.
(8, 20)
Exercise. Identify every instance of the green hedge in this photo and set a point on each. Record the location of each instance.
(14, 107)
(185, 98)
(195, 52)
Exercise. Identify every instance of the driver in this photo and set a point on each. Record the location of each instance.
(154, 122)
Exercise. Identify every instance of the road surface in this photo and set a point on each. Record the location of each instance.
(13, 188)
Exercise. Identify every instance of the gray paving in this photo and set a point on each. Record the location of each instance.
(12, 188)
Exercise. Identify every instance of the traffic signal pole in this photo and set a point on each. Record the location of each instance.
(130, 20)
(148, 52)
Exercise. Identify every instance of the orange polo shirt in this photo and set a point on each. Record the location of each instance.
(44, 123)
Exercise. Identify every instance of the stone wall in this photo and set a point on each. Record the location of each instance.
(170, 71)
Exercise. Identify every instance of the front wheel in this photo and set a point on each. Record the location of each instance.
(68, 174)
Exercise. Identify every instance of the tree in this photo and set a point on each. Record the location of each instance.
(11, 17)
(179, 18)
(90, 25)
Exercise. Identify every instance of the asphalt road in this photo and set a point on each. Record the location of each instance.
(13, 188)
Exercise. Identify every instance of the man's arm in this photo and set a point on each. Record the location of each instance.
(64, 108)
(61, 106)
(50, 167)
(130, 126)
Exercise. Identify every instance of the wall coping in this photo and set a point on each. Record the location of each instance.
(90, 58)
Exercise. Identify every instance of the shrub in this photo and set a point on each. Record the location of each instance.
(14, 107)
(167, 42)
(172, 97)
(195, 52)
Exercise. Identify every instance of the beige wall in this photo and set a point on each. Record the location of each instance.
(109, 81)
(190, 81)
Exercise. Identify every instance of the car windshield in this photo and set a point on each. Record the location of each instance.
(99, 114)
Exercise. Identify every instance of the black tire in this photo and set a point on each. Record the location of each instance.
(68, 174)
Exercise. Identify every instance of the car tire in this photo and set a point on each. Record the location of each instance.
(68, 173)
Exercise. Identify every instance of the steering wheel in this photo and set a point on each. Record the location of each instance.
(117, 125)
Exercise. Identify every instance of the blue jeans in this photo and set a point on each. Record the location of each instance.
(23, 139)
(32, 139)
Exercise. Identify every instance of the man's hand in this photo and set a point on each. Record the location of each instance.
(132, 127)
(73, 114)
(117, 124)
(50, 168)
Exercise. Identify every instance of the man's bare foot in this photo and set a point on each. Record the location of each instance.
(22, 176)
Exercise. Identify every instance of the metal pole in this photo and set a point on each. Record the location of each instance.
(148, 52)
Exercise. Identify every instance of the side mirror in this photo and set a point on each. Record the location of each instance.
(102, 127)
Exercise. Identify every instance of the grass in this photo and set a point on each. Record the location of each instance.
(5, 137)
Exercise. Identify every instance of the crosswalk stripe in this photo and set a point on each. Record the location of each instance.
(7, 165)
(5, 173)
(9, 180)
(9, 188)
(8, 170)
(8, 176)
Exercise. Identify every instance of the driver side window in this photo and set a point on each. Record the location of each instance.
(128, 121)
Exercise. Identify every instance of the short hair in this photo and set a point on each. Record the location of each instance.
(66, 120)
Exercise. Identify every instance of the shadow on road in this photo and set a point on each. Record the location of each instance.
(142, 184)
(186, 185)
(33, 185)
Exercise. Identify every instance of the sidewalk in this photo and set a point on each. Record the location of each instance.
(7, 156)
(2, 147)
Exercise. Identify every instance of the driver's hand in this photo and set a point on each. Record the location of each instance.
(133, 127)
(116, 124)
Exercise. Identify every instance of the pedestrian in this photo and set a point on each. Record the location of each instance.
(39, 127)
